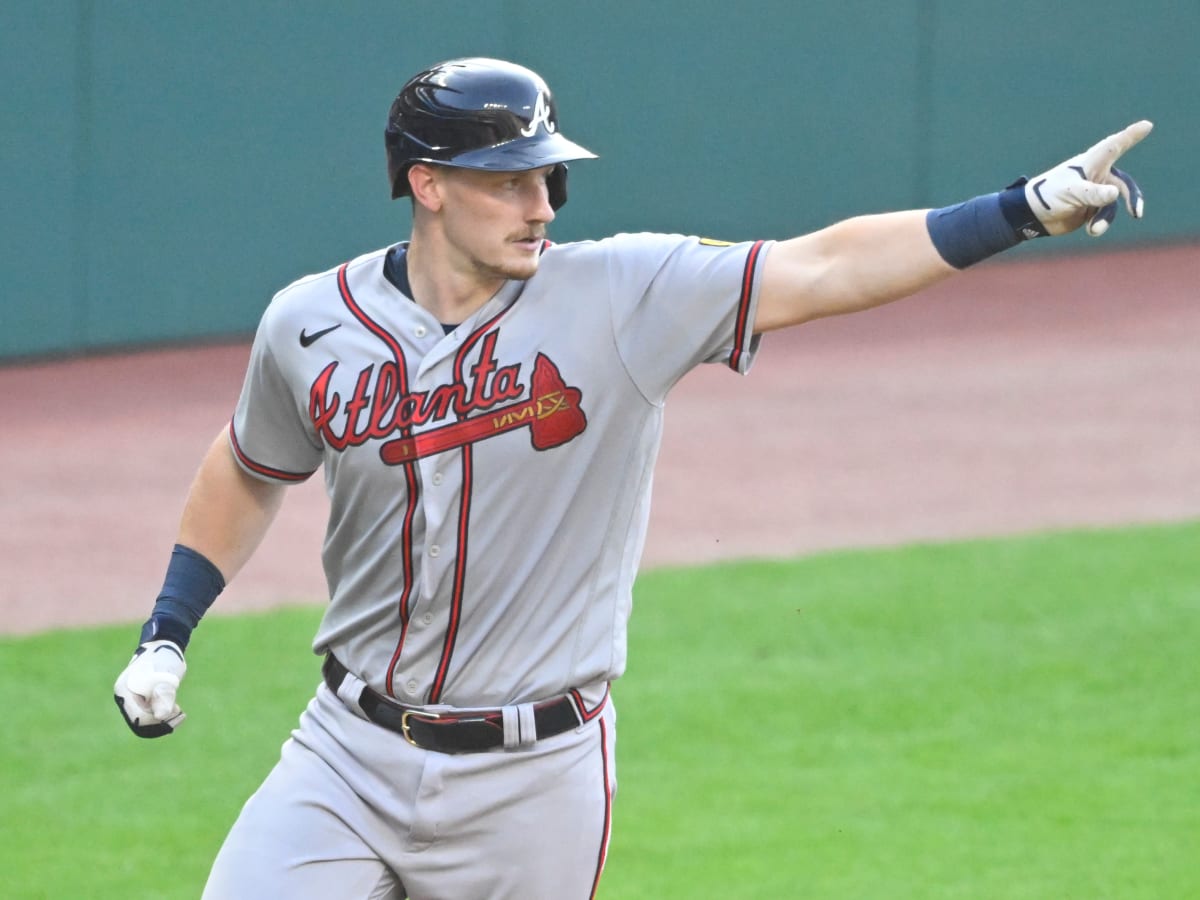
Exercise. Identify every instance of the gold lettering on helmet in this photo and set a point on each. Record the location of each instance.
(541, 114)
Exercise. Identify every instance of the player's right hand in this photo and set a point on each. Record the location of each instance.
(145, 691)
(1084, 190)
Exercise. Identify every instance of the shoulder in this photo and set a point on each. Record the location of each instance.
(642, 245)
(320, 284)
(617, 244)
(637, 257)
(320, 292)
(618, 253)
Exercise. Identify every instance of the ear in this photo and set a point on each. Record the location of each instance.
(425, 185)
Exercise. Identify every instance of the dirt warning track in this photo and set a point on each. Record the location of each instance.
(1020, 396)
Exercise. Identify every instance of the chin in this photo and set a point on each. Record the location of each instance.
(520, 270)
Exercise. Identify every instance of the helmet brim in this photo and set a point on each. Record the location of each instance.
(516, 156)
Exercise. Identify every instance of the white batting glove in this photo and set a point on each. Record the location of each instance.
(145, 691)
(1084, 189)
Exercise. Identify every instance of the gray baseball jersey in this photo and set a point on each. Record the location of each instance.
(489, 487)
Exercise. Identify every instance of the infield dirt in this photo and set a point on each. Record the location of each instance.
(1022, 395)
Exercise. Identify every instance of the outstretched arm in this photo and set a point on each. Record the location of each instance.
(855, 264)
(871, 260)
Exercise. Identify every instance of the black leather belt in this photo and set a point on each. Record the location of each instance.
(465, 732)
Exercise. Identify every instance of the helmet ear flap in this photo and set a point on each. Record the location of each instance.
(397, 161)
(556, 186)
(400, 184)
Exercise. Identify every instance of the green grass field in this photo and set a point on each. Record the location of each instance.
(996, 719)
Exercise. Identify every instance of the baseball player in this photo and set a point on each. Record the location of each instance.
(486, 407)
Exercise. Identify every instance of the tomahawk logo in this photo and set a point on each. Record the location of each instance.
(541, 114)
(486, 403)
(552, 413)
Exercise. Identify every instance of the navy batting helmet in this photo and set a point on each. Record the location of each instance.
(478, 113)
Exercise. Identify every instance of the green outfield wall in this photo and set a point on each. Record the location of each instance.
(168, 166)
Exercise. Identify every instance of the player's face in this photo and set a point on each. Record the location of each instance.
(495, 222)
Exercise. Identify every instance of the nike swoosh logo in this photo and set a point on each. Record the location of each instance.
(1037, 189)
(307, 340)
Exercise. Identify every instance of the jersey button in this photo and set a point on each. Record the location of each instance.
(411, 687)
(437, 478)
(435, 550)
(427, 618)
(420, 331)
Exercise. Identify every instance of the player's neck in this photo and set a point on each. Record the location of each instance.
(451, 293)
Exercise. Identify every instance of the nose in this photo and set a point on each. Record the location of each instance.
(537, 197)
(540, 210)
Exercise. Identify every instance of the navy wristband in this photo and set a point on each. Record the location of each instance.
(981, 227)
(191, 585)
(1018, 213)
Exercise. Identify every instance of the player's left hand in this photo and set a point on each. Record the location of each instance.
(1084, 190)
(145, 691)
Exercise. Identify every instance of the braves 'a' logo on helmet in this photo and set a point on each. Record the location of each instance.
(542, 114)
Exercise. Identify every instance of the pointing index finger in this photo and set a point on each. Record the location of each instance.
(1104, 153)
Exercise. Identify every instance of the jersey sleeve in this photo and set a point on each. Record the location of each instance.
(681, 301)
(271, 434)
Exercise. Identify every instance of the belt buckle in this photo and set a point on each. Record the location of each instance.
(404, 729)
